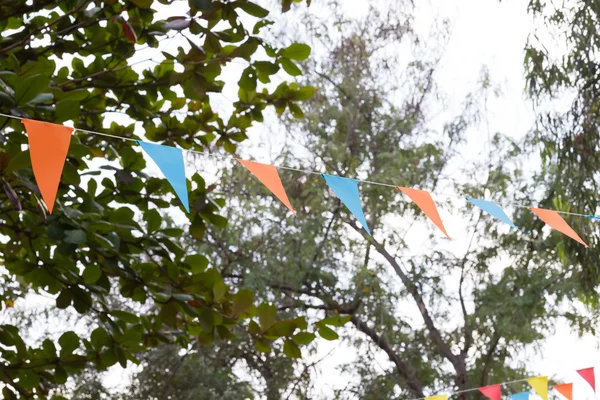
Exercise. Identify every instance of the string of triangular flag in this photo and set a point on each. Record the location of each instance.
(539, 384)
(49, 144)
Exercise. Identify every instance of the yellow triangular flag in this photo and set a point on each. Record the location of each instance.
(540, 385)
(438, 397)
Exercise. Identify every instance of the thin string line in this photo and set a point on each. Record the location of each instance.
(229, 158)
(474, 389)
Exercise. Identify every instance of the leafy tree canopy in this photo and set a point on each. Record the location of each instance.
(561, 64)
(108, 237)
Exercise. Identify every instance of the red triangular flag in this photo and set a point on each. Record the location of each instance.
(425, 202)
(492, 392)
(48, 147)
(566, 389)
(588, 375)
(269, 176)
(557, 222)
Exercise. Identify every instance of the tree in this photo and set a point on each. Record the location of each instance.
(107, 239)
(445, 318)
(560, 65)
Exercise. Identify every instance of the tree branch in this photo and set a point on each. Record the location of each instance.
(434, 333)
(33, 34)
(403, 369)
(488, 358)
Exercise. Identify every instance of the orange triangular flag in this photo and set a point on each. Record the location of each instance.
(48, 147)
(269, 176)
(566, 389)
(557, 222)
(425, 202)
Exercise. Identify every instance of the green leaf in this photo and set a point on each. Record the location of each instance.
(254, 329)
(254, 9)
(42, 98)
(82, 300)
(303, 338)
(29, 379)
(60, 375)
(168, 313)
(248, 80)
(67, 110)
(113, 237)
(27, 89)
(198, 263)
(305, 93)
(182, 296)
(91, 274)
(142, 3)
(8, 394)
(49, 348)
(216, 219)
(202, 5)
(100, 338)
(125, 316)
(225, 333)
(242, 301)
(69, 341)
(121, 356)
(219, 291)
(259, 25)
(132, 337)
(266, 67)
(295, 110)
(64, 299)
(327, 333)
(262, 346)
(76, 236)
(297, 51)
(336, 320)
(76, 95)
(178, 103)
(246, 49)
(291, 349)
(19, 161)
(173, 232)
(282, 328)
(108, 358)
(153, 220)
(266, 315)
(290, 67)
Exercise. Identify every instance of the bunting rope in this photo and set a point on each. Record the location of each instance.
(474, 389)
(538, 383)
(48, 166)
(230, 158)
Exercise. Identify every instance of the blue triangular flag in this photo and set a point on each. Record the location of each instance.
(520, 396)
(347, 191)
(170, 161)
(493, 209)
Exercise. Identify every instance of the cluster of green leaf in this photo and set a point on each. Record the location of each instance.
(108, 237)
(561, 64)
